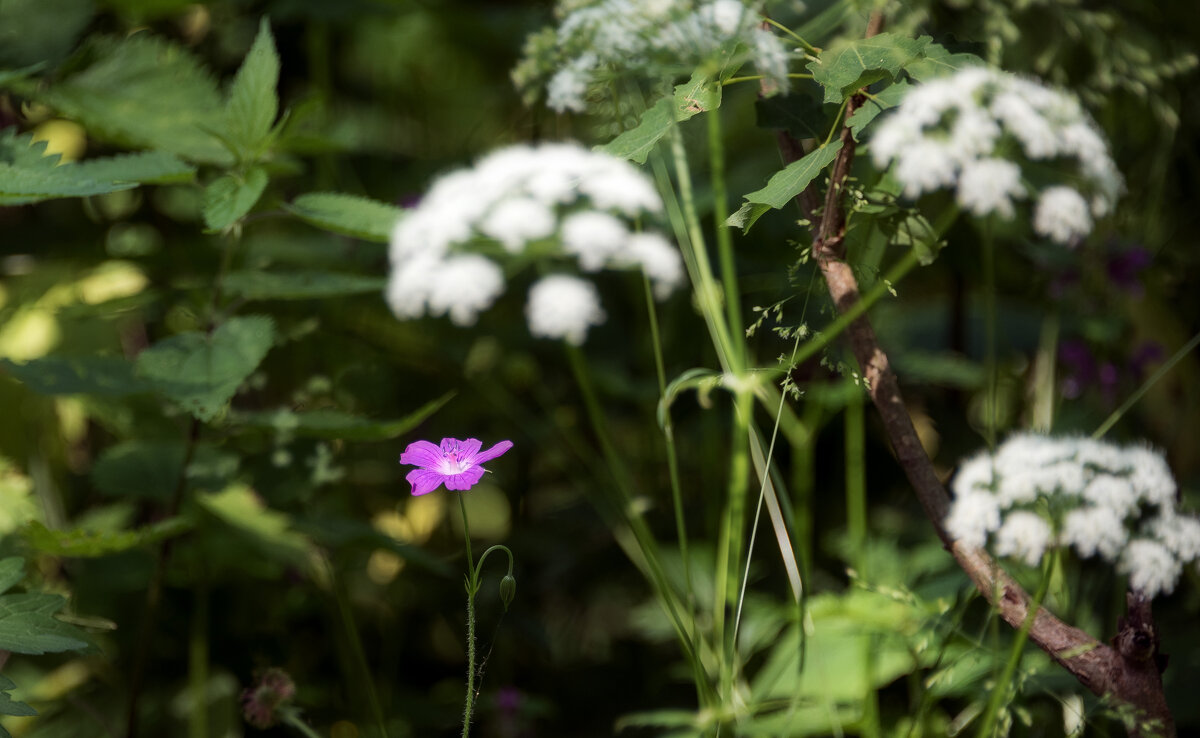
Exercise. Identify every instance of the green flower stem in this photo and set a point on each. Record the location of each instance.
(291, 718)
(856, 483)
(989, 279)
(729, 544)
(1150, 382)
(1000, 690)
(669, 438)
(720, 211)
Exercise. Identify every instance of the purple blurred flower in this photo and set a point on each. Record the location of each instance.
(456, 463)
(261, 702)
(1125, 268)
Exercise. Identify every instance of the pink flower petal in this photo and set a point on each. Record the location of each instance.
(421, 453)
(466, 480)
(424, 481)
(468, 448)
(492, 452)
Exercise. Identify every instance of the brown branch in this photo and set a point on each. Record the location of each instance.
(1128, 671)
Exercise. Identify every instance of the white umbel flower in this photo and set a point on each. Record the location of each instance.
(1062, 215)
(1151, 567)
(561, 306)
(1024, 535)
(988, 186)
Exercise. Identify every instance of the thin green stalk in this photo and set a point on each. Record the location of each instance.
(358, 657)
(198, 665)
(1170, 363)
(856, 484)
(471, 588)
(729, 546)
(291, 717)
(989, 279)
(720, 207)
(1000, 689)
(669, 438)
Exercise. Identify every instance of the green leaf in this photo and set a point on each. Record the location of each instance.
(12, 571)
(937, 61)
(146, 167)
(139, 469)
(200, 371)
(8, 76)
(349, 215)
(109, 376)
(87, 543)
(271, 531)
(699, 94)
(40, 30)
(336, 424)
(257, 285)
(886, 99)
(792, 179)
(9, 706)
(253, 100)
(228, 198)
(143, 92)
(698, 378)
(27, 623)
(746, 216)
(908, 228)
(847, 67)
(28, 175)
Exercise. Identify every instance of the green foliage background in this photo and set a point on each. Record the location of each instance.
(194, 354)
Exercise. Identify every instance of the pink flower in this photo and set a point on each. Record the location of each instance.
(456, 463)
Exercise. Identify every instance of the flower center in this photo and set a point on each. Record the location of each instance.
(452, 465)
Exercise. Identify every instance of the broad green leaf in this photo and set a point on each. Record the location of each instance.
(349, 215)
(937, 61)
(143, 92)
(746, 216)
(228, 198)
(849, 66)
(792, 179)
(140, 469)
(86, 543)
(28, 175)
(12, 571)
(9, 76)
(27, 623)
(201, 371)
(337, 424)
(9, 706)
(666, 718)
(33, 31)
(77, 375)
(908, 228)
(145, 167)
(257, 285)
(888, 98)
(253, 100)
(271, 531)
(699, 94)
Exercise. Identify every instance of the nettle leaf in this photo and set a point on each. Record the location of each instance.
(28, 175)
(849, 66)
(109, 376)
(886, 99)
(201, 371)
(243, 510)
(228, 198)
(336, 424)
(937, 61)
(145, 167)
(699, 94)
(144, 92)
(87, 543)
(253, 100)
(27, 622)
(784, 185)
(349, 215)
(9, 706)
(257, 285)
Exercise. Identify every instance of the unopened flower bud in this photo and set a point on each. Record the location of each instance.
(508, 590)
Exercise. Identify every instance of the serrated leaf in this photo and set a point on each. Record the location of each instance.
(28, 175)
(27, 625)
(699, 94)
(139, 469)
(849, 66)
(12, 571)
(144, 92)
(746, 216)
(200, 371)
(258, 285)
(336, 424)
(109, 376)
(240, 508)
(792, 179)
(85, 543)
(9, 706)
(886, 99)
(349, 215)
(145, 167)
(253, 100)
(937, 61)
(229, 197)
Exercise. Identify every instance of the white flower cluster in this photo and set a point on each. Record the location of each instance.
(979, 130)
(1102, 499)
(599, 37)
(568, 201)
